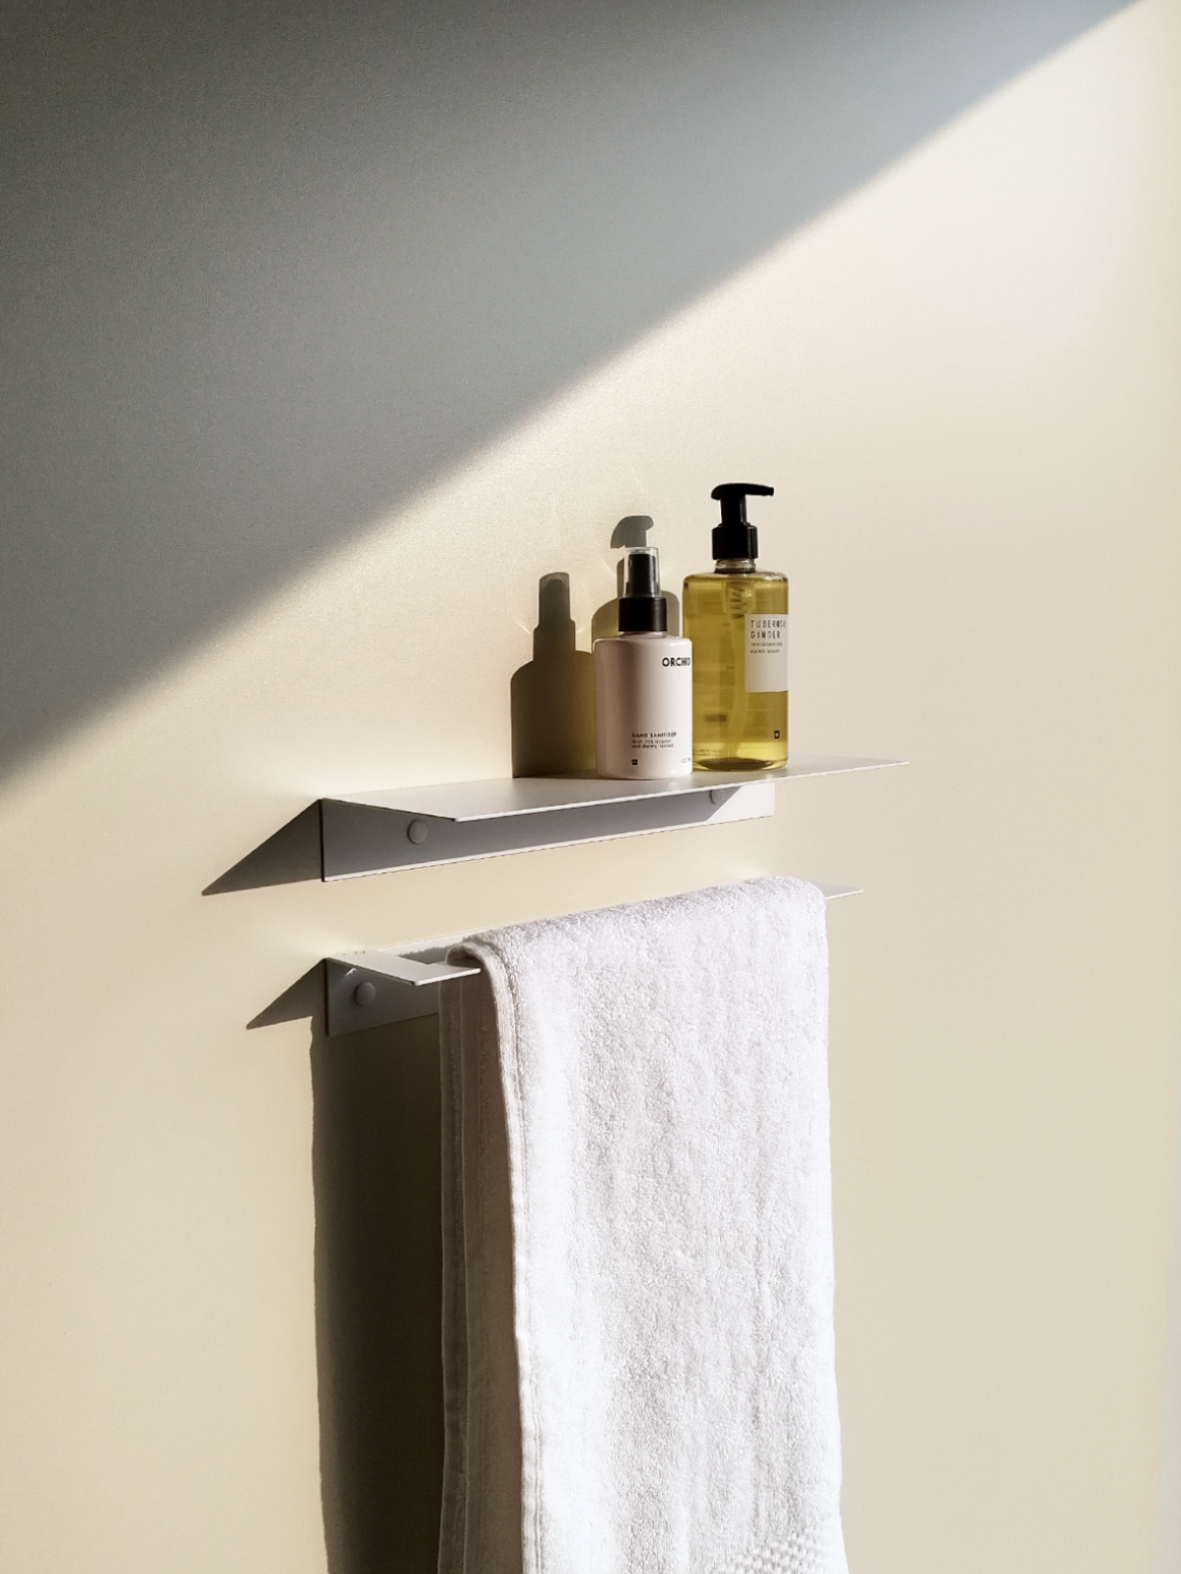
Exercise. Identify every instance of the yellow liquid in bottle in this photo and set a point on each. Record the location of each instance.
(733, 730)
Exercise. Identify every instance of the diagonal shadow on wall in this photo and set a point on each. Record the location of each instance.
(268, 269)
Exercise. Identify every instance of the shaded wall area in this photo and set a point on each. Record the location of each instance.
(378, 1295)
(269, 268)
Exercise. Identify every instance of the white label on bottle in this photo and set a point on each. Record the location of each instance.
(644, 707)
(766, 652)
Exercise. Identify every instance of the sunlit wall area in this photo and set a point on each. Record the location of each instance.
(280, 506)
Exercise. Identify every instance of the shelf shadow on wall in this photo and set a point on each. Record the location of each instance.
(378, 1270)
(293, 853)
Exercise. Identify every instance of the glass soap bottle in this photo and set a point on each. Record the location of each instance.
(736, 618)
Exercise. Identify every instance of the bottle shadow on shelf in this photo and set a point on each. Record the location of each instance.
(553, 696)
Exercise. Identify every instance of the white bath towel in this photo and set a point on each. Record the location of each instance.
(638, 1341)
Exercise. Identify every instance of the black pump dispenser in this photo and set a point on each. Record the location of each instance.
(735, 537)
(642, 609)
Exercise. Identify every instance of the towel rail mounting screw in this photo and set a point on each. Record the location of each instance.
(417, 831)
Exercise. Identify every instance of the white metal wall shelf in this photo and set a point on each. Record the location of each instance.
(411, 827)
(352, 834)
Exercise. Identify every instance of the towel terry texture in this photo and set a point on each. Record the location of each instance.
(638, 1325)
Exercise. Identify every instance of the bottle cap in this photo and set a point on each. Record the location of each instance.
(735, 537)
(642, 609)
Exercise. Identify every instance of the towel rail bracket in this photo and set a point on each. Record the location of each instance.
(374, 988)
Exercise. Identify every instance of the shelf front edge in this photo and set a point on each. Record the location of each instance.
(359, 839)
(414, 828)
(513, 796)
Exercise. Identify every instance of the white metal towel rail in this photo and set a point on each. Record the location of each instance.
(374, 988)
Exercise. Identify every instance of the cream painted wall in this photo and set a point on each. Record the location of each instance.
(965, 381)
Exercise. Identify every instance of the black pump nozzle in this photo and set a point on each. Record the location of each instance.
(642, 608)
(735, 537)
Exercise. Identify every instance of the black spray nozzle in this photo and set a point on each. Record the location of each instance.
(642, 609)
(735, 537)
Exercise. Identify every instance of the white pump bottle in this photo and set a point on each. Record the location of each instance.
(643, 684)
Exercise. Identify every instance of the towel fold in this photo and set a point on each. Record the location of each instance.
(638, 1329)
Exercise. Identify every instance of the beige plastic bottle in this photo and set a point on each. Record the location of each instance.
(643, 684)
